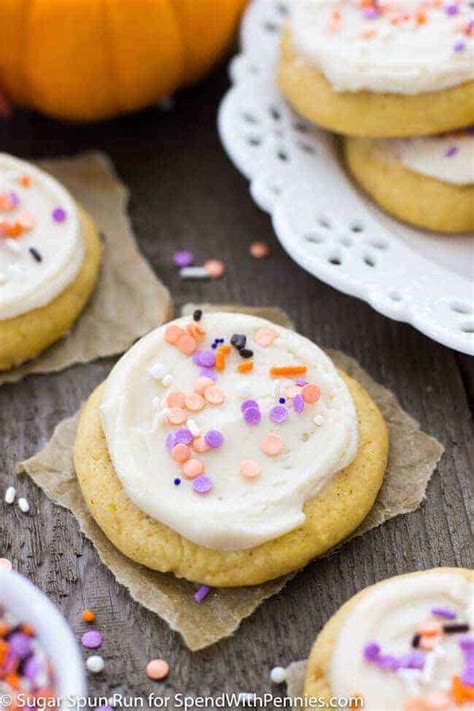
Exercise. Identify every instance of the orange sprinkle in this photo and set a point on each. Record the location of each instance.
(427, 643)
(265, 337)
(88, 616)
(25, 181)
(272, 444)
(195, 331)
(429, 629)
(28, 630)
(287, 371)
(420, 17)
(181, 453)
(193, 468)
(311, 393)
(461, 693)
(176, 399)
(249, 468)
(202, 384)
(245, 367)
(176, 416)
(4, 629)
(4, 647)
(220, 360)
(173, 333)
(12, 680)
(194, 402)
(200, 445)
(214, 395)
(186, 344)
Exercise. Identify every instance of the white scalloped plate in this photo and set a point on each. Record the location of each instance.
(322, 221)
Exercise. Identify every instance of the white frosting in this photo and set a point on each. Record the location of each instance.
(403, 58)
(390, 615)
(238, 512)
(449, 158)
(25, 283)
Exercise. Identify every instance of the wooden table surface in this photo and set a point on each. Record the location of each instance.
(186, 194)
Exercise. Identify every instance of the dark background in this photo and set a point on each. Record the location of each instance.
(186, 194)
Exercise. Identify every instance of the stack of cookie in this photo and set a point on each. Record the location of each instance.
(396, 79)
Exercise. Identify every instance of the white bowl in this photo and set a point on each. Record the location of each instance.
(28, 604)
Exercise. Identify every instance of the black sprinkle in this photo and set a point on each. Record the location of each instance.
(35, 254)
(245, 353)
(238, 340)
(455, 627)
(416, 640)
(197, 315)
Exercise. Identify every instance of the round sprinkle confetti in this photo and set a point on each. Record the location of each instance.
(194, 401)
(279, 414)
(92, 639)
(186, 344)
(298, 403)
(183, 258)
(170, 441)
(200, 445)
(214, 439)
(202, 384)
(193, 468)
(311, 393)
(59, 215)
(259, 250)
(214, 395)
(5, 564)
(175, 399)
(173, 333)
(215, 268)
(157, 669)
(183, 436)
(207, 359)
(265, 337)
(181, 453)
(248, 403)
(272, 444)
(95, 664)
(88, 616)
(250, 469)
(278, 675)
(252, 415)
(176, 416)
(318, 420)
(202, 484)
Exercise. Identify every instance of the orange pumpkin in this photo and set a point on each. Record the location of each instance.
(91, 59)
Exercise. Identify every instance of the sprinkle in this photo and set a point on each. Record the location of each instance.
(206, 359)
(177, 481)
(183, 258)
(59, 215)
(429, 642)
(193, 428)
(23, 505)
(467, 644)
(176, 398)
(193, 468)
(265, 337)
(215, 268)
(388, 661)
(173, 333)
(186, 344)
(415, 640)
(245, 353)
(92, 639)
(25, 181)
(252, 415)
(202, 384)
(311, 393)
(279, 414)
(249, 468)
(298, 403)
(412, 660)
(197, 314)
(5, 564)
(214, 395)
(201, 594)
(200, 445)
(446, 612)
(10, 495)
(272, 444)
(202, 484)
(214, 439)
(167, 380)
(176, 416)
(88, 616)
(95, 664)
(459, 46)
(451, 151)
(194, 402)
(287, 371)
(194, 273)
(157, 669)
(245, 367)
(26, 220)
(183, 436)
(35, 254)
(429, 629)
(467, 676)
(371, 651)
(157, 371)
(259, 250)
(455, 628)
(181, 453)
(278, 675)
(451, 9)
(318, 420)
(248, 403)
(238, 340)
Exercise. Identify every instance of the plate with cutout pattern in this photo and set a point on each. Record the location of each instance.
(321, 219)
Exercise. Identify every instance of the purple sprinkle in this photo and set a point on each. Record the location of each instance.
(445, 612)
(214, 439)
(279, 414)
(452, 150)
(371, 651)
(298, 403)
(207, 359)
(300, 381)
(15, 200)
(183, 258)
(467, 643)
(91, 639)
(32, 667)
(20, 644)
(248, 403)
(388, 661)
(412, 660)
(183, 436)
(170, 441)
(370, 13)
(467, 676)
(59, 215)
(202, 484)
(201, 594)
(208, 373)
(252, 415)
(177, 482)
(451, 9)
(196, 356)
(459, 46)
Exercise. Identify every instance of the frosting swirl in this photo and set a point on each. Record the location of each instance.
(222, 428)
(41, 248)
(387, 46)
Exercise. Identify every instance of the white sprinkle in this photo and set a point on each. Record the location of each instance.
(156, 402)
(23, 505)
(13, 245)
(194, 273)
(167, 380)
(10, 495)
(193, 428)
(95, 664)
(243, 389)
(157, 370)
(278, 675)
(318, 420)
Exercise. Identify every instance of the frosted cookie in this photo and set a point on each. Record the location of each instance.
(228, 451)
(49, 261)
(379, 69)
(426, 181)
(405, 644)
